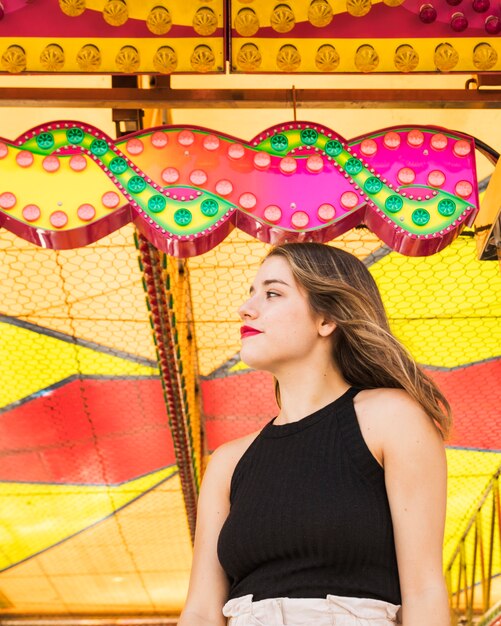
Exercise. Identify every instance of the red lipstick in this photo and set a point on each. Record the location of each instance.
(247, 331)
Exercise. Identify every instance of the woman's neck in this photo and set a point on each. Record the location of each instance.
(304, 393)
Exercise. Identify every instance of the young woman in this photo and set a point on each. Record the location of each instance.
(334, 512)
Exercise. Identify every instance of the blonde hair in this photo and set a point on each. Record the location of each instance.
(368, 355)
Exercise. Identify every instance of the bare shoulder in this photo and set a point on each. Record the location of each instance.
(391, 418)
(392, 407)
(231, 451)
(225, 458)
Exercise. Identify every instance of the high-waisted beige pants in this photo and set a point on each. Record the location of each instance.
(329, 611)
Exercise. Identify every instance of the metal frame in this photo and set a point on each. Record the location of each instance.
(467, 561)
(165, 97)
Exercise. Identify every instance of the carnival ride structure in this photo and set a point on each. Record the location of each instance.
(124, 257)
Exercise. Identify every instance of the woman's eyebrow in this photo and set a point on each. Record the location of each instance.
(269, 281)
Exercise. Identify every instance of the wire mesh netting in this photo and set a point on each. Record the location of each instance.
(93, 517)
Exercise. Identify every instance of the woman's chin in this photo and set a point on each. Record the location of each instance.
(253, 363)
(247, 361)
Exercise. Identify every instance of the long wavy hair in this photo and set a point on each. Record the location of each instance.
(368, 355)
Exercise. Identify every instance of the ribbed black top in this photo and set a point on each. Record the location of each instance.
(309, 513)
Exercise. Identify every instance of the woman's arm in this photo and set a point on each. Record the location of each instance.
(208, 588)
(416, 482)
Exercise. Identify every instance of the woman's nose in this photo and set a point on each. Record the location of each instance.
(247, 310)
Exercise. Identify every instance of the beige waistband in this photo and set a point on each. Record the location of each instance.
(295, 610)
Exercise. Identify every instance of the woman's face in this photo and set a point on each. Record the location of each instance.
(279, 308)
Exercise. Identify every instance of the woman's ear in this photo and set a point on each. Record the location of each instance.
(326, 327)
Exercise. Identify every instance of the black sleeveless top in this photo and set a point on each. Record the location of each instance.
(309, 513)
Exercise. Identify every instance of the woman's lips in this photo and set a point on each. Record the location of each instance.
(246, 331)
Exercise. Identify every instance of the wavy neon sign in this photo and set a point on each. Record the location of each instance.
(67, 184)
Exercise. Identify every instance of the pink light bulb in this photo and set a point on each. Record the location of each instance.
(406, 175)
(415, 138)
(24, 158)
(273, 213)
(392, 140)
(368, 147)
(78, 162)
(427, 13)
(462, 148)
(300, 219)
(51, 163)
(7, 200)
(159, 139)
(86, 212)
(493, 25)
(464, 188)
(58, 219)
(31, 213)
(481, 6)
(459, 22)
(436, 178)
(326, 212)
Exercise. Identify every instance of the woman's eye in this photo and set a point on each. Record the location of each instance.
(271, 293)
